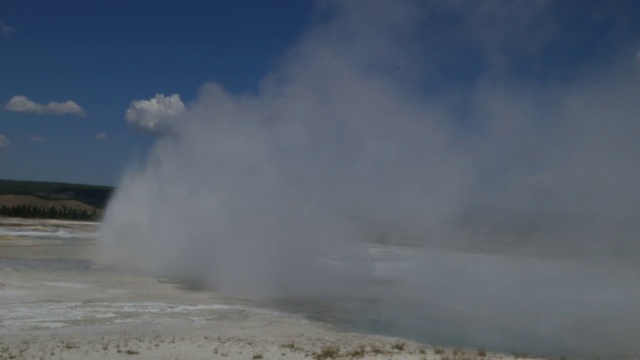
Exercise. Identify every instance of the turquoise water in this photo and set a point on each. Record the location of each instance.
(543, 306)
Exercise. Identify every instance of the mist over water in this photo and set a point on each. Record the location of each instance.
(501, 215)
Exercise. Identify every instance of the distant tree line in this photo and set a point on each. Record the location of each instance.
(30, 211)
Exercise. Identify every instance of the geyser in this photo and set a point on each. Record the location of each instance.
(518, 200)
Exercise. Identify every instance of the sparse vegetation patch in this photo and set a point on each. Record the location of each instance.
(329, 352)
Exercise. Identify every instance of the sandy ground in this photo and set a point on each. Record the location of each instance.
(54, 307)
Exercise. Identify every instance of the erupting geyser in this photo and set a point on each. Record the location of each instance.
(526, 193)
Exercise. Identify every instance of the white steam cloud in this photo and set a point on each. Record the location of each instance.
(156, 115)
(6, 30)
(4, 142)
(24, 105)
(519, 202)
(37, 138)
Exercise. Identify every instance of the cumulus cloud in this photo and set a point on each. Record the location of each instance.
(37, 138)
(156, 115)
(5, 29)
(102, 136)
(23, 104)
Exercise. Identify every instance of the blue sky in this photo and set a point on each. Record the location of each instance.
(102, 55)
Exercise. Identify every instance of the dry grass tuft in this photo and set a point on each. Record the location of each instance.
(329, 352)
(357, 353)
(292, 347)
(70, 345)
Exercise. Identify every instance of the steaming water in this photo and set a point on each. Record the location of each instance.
(505, 302)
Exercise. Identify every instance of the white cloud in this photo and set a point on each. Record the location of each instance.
(154, 116)
(4, 143)
(102, 136)
(37, 138)
(5, 29)
(23, 104)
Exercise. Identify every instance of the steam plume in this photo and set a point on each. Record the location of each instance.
(530, 187)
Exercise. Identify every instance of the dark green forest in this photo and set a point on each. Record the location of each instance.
(29, 211)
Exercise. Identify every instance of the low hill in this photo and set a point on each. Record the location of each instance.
(36, 202)
(52, 200)
(93, 195)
